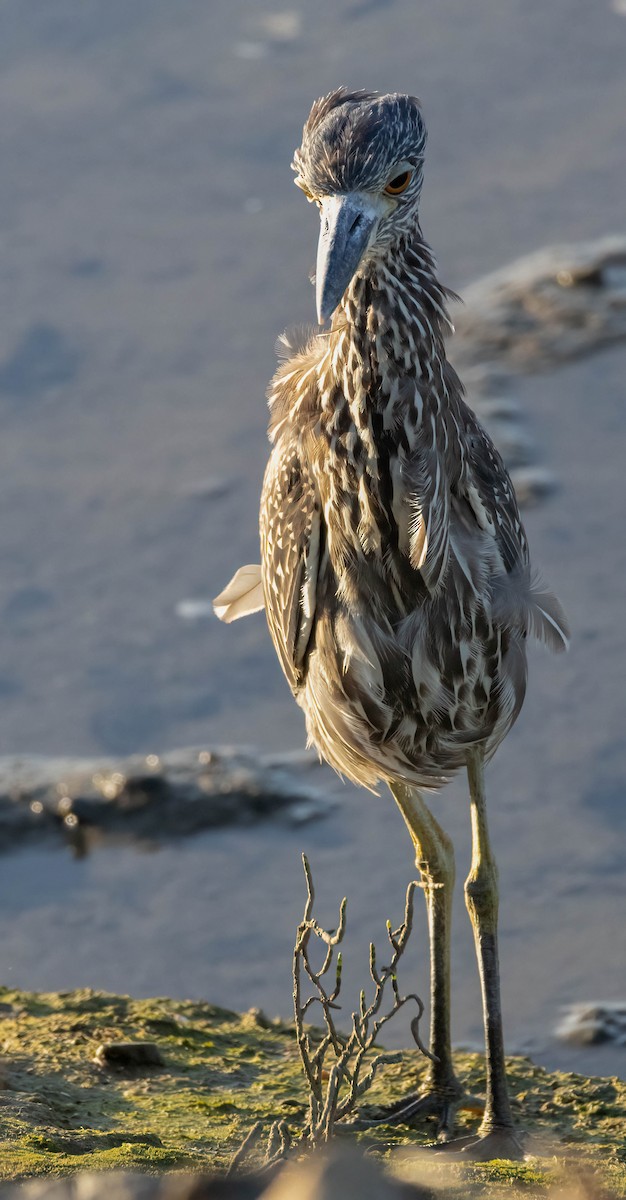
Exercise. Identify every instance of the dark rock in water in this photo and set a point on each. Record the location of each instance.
(548, 308)
(593, 1024)
(153, 797)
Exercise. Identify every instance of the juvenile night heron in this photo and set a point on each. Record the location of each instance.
(395, 570)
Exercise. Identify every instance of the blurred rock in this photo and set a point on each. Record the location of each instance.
(533, 484)
(154, 796)
(542, 310)
(127, 1185)
(535, 314)
(339, 1173)
(591, 1024)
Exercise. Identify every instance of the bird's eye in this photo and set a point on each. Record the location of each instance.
(399, 183)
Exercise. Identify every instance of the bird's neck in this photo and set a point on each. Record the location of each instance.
(388, 333)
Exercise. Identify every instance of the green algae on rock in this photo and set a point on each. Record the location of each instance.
(61, 1111)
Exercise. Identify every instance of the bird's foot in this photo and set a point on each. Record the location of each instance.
(503, 1142)
(442, 1103)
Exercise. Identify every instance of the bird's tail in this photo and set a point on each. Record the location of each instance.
(523, 602)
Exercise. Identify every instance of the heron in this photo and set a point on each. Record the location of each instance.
(395, 570)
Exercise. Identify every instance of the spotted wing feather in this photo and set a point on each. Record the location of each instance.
(290, 550)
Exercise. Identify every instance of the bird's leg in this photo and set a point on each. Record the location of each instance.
(442, 1093)
(434, 858)
(497, 1135)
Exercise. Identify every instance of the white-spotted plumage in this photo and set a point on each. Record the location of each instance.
(395, 567)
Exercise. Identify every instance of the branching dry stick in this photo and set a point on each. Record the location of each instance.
(251, 1137)
(335, 1089)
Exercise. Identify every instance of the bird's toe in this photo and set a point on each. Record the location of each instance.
(505, 1144)
(441, 1105)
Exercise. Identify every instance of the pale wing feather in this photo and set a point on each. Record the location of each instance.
(242, 596)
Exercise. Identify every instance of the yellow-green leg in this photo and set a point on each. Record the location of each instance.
(434, 857)
(497, 1136)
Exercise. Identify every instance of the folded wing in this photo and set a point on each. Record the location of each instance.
(290, 550)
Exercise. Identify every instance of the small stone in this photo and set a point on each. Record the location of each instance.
(256, 1017)
(129, 1054)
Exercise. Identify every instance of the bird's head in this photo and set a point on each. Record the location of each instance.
(361, 162)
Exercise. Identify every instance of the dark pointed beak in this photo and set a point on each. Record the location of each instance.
(347, 222)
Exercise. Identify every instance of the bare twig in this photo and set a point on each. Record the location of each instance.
(340, 1068)
(278, 1144)
(251, 1137)
(277, 1149)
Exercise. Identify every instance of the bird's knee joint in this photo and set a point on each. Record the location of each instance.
(481, 889)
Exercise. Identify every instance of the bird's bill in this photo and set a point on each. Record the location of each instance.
(346, 225)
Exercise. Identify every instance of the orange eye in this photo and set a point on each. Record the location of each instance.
(399, 184)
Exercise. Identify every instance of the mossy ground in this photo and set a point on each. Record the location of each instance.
(60, 1111)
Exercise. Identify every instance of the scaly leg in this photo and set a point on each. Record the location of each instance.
(497, 1136)
(442, 1092)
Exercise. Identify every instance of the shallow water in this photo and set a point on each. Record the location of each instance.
(152, 248)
